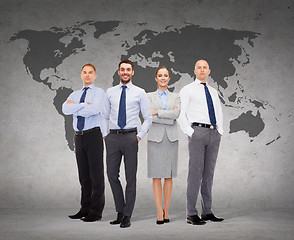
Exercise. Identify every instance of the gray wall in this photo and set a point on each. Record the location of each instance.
(249, 45)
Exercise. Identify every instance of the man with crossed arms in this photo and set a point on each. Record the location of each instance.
(85, 106)
(120, 113)
(201, 119)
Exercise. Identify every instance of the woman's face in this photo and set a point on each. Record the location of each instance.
(162, 77)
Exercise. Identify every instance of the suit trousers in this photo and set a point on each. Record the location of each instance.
(118, 145)
(89, 155)
(203, 151)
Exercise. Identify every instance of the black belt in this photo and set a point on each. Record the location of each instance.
(123, 131)
(87, 131)
(203, 125)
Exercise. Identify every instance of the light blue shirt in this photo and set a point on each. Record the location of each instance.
(163, 97)
(92, 112)
(136, 100)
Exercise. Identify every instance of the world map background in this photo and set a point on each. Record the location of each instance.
(47, 50)
(252, 68)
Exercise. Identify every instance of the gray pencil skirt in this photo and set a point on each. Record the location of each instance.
(162, 158)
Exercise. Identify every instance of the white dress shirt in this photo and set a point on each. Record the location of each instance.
(194, 107)
(136, 100)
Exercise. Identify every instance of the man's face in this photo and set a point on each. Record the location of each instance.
(202, 70)
(125, 73)
(88, 75)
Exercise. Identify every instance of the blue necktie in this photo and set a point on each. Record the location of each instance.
(210, 106)
(81, 120)
(122, 109)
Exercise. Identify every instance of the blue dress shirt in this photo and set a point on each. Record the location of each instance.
(163, 97)
(92, 112)
(136, 100)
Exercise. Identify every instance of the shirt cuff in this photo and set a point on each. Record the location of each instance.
(189, 131)
(141, 135)
(104, 133)
(221, 131)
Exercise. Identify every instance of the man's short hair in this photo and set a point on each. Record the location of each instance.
(90, 65)
(126, 61)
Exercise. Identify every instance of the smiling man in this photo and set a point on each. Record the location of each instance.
(120, 119)
(201, 119)
(85, 106)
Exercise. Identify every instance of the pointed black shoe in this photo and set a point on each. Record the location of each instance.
(126, 222)
(78, 215)
(91, 218)
(159, 222)
(211, 217)
(195, 220)
(118, 219)
(165, 220)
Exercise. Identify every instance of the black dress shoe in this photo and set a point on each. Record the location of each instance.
(78, 215)
(126, 222)
(118, 219)
(91, 218)
(195, 220)
(211, 217)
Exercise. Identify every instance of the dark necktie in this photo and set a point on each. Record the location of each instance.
(210, 106)
(122, 119)
(81, 120)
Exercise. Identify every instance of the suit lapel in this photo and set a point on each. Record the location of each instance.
(158, 99)
(169, 100)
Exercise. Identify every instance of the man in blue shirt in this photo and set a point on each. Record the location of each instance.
(85, 106)
(120, 118)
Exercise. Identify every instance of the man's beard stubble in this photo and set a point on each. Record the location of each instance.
(125, 82)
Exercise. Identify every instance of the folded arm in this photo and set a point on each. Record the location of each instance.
(172, 114)
(70, 107)
(94, 108)
(167, 121)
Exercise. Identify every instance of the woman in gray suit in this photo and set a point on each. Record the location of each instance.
(162, 148)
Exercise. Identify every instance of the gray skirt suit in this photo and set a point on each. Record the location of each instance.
(162, 146)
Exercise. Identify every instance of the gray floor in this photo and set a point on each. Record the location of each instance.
(54, 224)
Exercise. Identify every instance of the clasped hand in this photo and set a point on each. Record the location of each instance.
(70, 101)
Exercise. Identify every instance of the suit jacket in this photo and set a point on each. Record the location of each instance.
(166, 119)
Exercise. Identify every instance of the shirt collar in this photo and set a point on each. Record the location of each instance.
(129, 85)
(90, 86)
(197, 82)
(160, 93)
